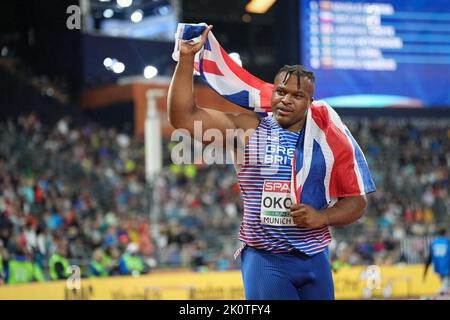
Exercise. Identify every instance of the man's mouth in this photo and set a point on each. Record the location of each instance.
(284, 111)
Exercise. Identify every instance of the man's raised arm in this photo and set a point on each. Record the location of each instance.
(182, 109)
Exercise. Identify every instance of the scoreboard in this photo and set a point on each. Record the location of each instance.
(378, 53)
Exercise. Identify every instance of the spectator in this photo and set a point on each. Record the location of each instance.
(85, 184)
(130, 262)
(22, 269)
(58, 264)
(96, 266)
(3, 263)
(110, 260)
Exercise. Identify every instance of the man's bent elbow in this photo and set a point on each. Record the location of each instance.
(362, 205)
(176, 119)
(173, 120)
(180, 116)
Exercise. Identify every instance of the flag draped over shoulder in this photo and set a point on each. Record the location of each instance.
(328, 141)
(346, 170)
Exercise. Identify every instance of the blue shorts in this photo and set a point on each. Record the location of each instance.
(286, 276)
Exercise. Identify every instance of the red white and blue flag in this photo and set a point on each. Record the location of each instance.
(337, 158)
(345, 169)
(223, 74)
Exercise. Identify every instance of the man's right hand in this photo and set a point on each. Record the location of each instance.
(182, 109)
(189, 50)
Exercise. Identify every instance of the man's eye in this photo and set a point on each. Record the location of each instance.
(280, 92)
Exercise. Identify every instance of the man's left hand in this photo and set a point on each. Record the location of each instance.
(305, 216)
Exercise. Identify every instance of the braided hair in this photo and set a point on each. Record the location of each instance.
(297, 70)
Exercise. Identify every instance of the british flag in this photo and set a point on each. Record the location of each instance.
(330, 149)
(223, 74)
(329, 146)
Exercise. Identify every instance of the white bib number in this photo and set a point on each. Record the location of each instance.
(276, 203)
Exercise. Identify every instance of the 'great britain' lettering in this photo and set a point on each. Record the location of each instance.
(276, 154)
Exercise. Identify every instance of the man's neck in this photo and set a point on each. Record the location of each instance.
(296, 127)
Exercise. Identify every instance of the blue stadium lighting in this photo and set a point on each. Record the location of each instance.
(118, 67)
(150, 72)
(108, 63)
(124, 3)
(108, 13)
(137, 16)
(164, 10)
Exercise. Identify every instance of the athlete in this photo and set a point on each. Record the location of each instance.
(284, 255)
(439, 256)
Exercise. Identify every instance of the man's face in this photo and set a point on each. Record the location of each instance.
(290, 102)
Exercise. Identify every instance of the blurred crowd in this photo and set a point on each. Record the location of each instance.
(76, 194)
(409, 160)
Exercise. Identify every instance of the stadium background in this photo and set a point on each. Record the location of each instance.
(73, 173)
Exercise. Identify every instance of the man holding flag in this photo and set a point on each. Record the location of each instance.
(302, 171)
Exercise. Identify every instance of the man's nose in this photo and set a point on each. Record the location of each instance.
(286, 99)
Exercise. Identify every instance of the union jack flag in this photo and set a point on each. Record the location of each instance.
(223, 74)
(330, 149)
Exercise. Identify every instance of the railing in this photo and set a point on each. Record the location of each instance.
(415, 249)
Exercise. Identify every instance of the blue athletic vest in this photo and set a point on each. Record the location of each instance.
(440, 255)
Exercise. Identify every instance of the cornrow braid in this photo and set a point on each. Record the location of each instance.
(297, 70)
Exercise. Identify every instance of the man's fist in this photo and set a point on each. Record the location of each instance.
(189, 49)
(305, 216)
